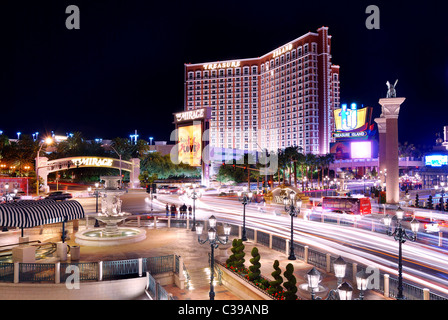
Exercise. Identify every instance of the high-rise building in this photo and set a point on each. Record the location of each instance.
(283, 98)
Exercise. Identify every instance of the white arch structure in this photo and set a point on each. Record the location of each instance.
(44, 166)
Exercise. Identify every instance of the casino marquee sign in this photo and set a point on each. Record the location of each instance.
(353, 123)
(80, 162)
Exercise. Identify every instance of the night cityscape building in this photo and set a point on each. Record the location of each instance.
(284, 98)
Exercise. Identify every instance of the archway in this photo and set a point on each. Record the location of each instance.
(44, 166)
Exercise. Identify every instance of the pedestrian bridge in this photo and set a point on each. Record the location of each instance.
(374, 162)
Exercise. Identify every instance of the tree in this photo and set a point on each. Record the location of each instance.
(278, 280)
(290, 285)
(254, 269)
(236, 260)
(430, 204)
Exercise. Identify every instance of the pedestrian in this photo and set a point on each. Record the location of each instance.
(173, 210)
(167, 210)
(190, 210)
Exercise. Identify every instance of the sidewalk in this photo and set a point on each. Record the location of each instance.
(200, 290)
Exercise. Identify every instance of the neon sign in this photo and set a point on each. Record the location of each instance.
(98, 162)
(281, 50)
(221, 65)
(436, 160)
(350, 119)
(190, 115)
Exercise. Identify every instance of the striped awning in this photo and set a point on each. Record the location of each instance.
(31, 213)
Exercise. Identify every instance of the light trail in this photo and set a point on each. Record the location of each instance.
(423, 265)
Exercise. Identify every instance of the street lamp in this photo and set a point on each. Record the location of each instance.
(194, 195)
(119, 156)
(344, 291)
(442, 192)
(214, 240)
(292, 206)
(401, 236)
(97, 184)
(244, 197)
(339, 269)
(47, 141)
(327, 180)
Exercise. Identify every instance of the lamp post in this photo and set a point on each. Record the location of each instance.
(47, 141)
(244, 197)
(327, 180)
(401, 236)
(119, 156)
(194, 195)
(339, 269)
(214, 240)
(344, 290)
(97, 184)
(442, 193)
(292, 206)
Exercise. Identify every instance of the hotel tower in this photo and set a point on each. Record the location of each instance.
(283, 98)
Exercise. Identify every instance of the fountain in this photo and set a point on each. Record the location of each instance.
(111, 215)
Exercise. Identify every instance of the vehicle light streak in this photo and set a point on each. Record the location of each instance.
(359, 245)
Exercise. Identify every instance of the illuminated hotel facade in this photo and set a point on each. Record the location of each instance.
(283, 98)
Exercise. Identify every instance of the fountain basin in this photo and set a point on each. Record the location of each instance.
(99, 238)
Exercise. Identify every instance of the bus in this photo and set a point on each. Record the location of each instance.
(349, 205)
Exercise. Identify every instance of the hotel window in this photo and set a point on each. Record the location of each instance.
(299, 51)
(198, 74)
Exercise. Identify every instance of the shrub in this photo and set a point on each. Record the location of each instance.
(290, 285)
(254, 269)
(236, 260)
(275, 286)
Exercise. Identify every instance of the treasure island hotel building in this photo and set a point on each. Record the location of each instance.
(283, 98)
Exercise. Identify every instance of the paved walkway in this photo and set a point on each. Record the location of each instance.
(183, 242)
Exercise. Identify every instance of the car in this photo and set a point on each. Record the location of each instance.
(18, 195)
(169, 190)
(59, 195)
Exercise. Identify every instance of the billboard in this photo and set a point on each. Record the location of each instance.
(341, 150)
(190, 144)
(361, 149)
(436, 160)
(351, 119)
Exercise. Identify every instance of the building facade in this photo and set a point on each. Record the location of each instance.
(283, 98)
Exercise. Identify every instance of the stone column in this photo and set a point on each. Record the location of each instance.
(391, 110)
(381, 123)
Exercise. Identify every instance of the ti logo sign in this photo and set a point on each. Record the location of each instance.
(349, 117)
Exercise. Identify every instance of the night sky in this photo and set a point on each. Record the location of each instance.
(123, 70)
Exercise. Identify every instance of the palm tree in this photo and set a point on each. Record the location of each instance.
(310, 164)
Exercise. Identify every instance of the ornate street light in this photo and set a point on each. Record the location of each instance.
(194, 195)
(344, 291)
(362, 280)
(292, 206)
(214, 239)
(339, 269)
(401, 236)
(244, 197)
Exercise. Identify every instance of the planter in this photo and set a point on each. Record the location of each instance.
(245, 288)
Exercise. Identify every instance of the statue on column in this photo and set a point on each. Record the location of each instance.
(391, 93)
